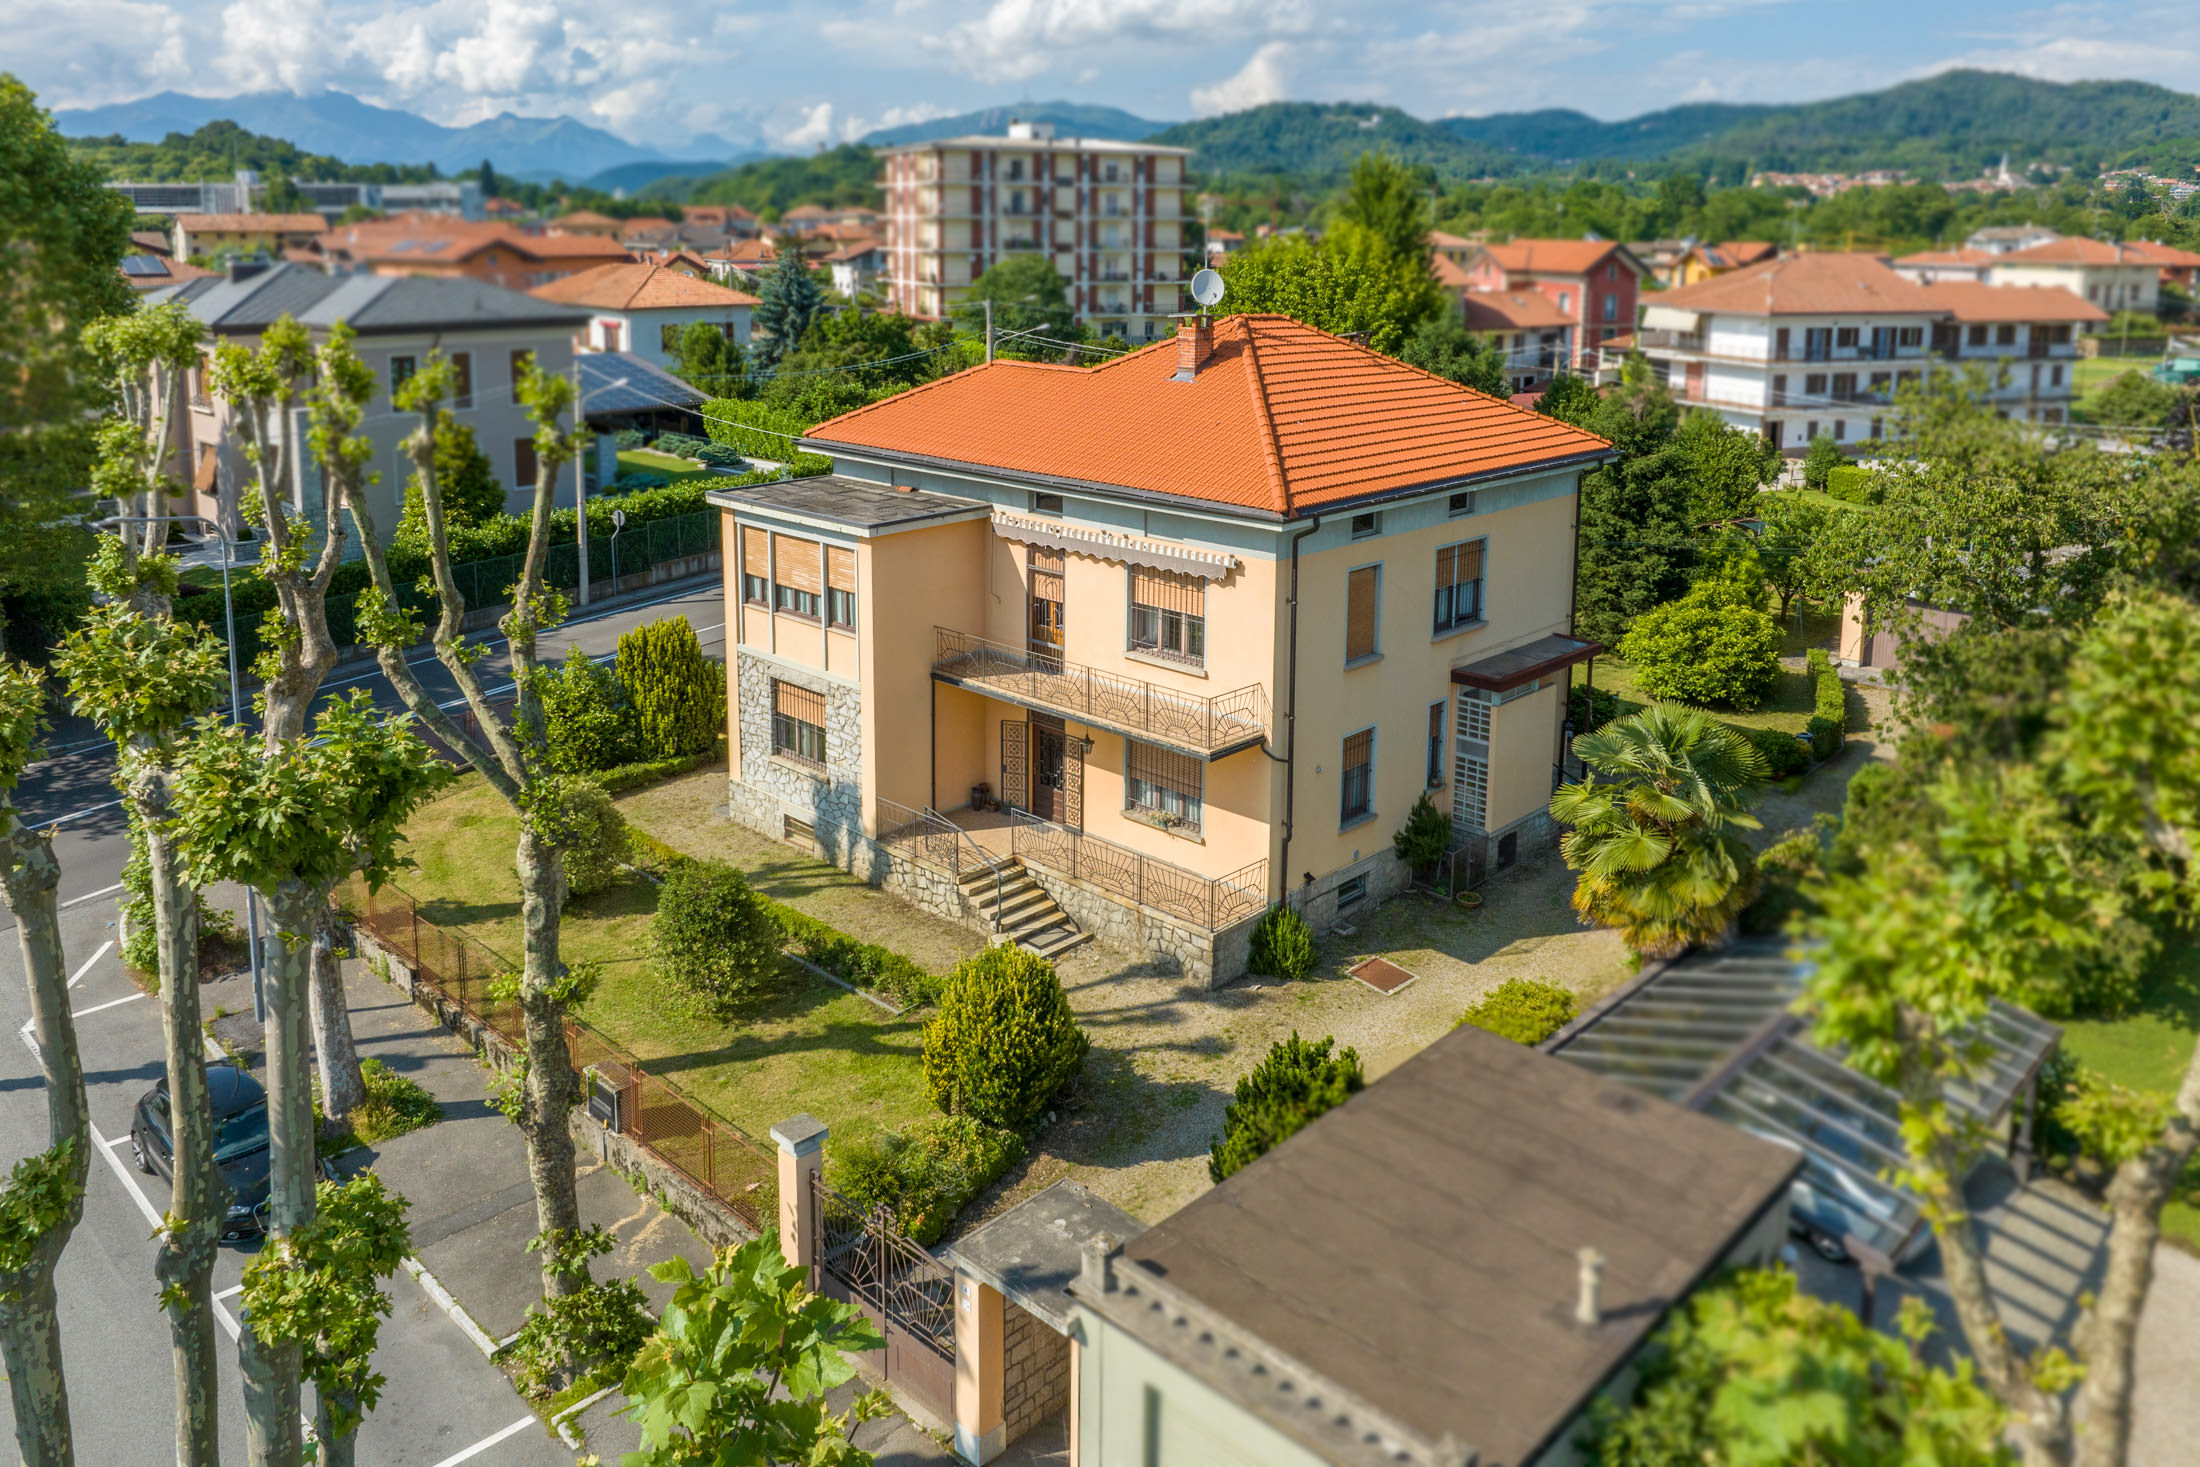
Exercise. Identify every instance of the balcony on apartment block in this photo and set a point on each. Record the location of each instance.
(1208, 727)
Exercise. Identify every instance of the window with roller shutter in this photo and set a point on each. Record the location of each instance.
(1362, 589)
(798, 576)
(756, 567)
(1459, 584)
(840, 587)
(1169, 615)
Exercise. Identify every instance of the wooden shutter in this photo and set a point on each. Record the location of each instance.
(1169, 590)
(1359, 749)
(793, 701)
(799, 564)
(1359, 615)
(523, 463)
(756, 557)
(840, 568)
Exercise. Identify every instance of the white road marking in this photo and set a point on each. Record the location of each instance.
(89, 896)
(487, 1442)
(137, 1193)
(95, 957)
(456, 1310)
(111, 1003)
(232, 1289)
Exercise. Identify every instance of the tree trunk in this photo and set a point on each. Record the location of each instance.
(2136, 1195)
(343, 1086)
(336, 1451)
(199, 1197)
(30, 1327)
(552, 1087)
(272, 1369)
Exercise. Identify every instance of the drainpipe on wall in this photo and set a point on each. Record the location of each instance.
(1291, 722)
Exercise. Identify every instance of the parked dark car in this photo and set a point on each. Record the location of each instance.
(239, 1103)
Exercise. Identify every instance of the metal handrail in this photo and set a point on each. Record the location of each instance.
(933, 823)
(1142, 709)
(1210, 901)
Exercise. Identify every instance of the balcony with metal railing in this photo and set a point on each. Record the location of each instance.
(1209, 727)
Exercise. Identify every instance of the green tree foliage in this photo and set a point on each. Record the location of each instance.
(1028, 295)
(1295, 1085)
(1442, 344)
(1726, 466)
(1752, 1370)
(1651, 830)
(588, 830)
(472, 497)
(1820, 460)
(738, 1368)
(837, 177)
(1004, 1042)
(1283, 945)
(675, 695)
(585, 719)
(1389, 201)
(791, 299)
(1524, 1010)
(1706, 649)
(1794, 549)
(218, 149)
(602, 1324)
(2132, 400)
(1425, 836)
(62, 239)
(708, 359)
(714, 936)
(925, 1177)
(1350, 283)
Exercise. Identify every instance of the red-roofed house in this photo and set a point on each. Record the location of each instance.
(641, 308)
(1103, 593)
(2178, 267)
(2115, 277)
(1594, 281)
(271, 234)
(1701, 261)
(436, 244)
(1934, 266)
(1527, 325)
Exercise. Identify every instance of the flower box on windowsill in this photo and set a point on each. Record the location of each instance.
(1167, 824)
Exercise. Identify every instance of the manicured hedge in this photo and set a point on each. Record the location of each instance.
(1524, 1010)
(1830, 705)
(1854, 483)
(864, 964)
(1784, 753)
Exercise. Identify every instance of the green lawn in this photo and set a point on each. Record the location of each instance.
(654, 462)
(814, 1047)
(2149, 1049)
(1791, 704)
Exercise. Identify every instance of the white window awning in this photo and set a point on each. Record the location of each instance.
(1105, 544)
(1670, 318)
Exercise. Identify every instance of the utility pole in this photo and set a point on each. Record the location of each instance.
(580, 483)
(989, 329)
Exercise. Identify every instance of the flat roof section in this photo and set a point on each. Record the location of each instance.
(1032, 1251)
(1419, 1247)
(853, 504)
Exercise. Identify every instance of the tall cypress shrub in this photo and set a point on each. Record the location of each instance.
(677, 695)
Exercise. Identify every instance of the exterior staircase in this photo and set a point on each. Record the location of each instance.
(1028, 916)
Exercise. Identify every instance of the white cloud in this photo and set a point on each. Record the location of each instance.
(1017, 39)
(815, 129)
(1264, 77)
(271, 44)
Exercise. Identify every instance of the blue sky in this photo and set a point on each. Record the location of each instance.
(794, 76)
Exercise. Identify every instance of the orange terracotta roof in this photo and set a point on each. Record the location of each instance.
(1803, 285)
(855, 249)
(1438, 240)
(1964, 256)
(586, 217)
(2154, 252)
(1969, 300)
(2071, 250)
(1748, 251)
(1449, 273)
(1552, 256)
(254, 223)
(1512, 310)
(637, 288)
(749, 252)
(1283, 419)
(440, 239)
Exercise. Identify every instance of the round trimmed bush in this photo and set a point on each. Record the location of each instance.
(1524, 1010)
(1294, 1086)
(1004, 1042)
(1704, 651)
(1283, 945)
(714, 935)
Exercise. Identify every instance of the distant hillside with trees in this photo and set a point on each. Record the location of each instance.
(216, 151)
(842, 177)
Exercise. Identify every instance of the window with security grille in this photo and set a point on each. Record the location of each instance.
(1357, 794)
(798, 723)
(1435, 745)
(1470, 783)
(1169, 615)
(1459, 584)
(1163, 784)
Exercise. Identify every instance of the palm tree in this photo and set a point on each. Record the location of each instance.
(1653, 827)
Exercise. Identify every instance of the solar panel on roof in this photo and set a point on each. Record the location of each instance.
(143, 265)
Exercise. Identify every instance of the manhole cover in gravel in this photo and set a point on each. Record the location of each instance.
(1382, 975)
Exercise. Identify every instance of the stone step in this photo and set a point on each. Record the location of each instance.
(1051, 942)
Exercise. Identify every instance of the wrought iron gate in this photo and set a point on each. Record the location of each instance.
(1015, 763)
(903, 1290)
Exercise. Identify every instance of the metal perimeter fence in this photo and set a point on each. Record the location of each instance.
(711, 1152)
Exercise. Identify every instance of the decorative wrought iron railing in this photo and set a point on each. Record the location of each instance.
(930, 838)
(1158, 715)
(1212, 902)
(879, 1268)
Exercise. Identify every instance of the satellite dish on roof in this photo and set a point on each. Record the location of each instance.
(1206, 287)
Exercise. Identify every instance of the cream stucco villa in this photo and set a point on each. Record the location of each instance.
(1137, 651)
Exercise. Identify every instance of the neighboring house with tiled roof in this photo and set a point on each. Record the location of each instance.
(1103, 592)
(2002, 239)
(1701, 261)
(436, 244)
(743, 262)
(2023, 337)
(587, 221)
(250, 234)
(1594, 281)
(641, 308)
(400, 321)
(2178, 267)
(856, 265)
(1536, 337)
(1931, 267)
(150, 272)
(729, 220)
(2115, 277)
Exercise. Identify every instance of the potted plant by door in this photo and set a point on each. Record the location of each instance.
(981, 796)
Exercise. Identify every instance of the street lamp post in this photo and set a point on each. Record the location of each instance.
(236, 714)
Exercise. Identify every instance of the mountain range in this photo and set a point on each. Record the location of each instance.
(1070, 119)
(339, 125)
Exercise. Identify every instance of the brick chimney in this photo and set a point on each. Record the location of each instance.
(1195, 343)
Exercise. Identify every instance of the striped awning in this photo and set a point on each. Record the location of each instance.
(1106, 544)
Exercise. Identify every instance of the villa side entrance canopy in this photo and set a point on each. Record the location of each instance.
(1716, 1032)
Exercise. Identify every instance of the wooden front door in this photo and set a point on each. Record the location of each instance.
(1045, 636)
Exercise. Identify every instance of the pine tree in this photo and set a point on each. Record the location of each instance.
(790, 302)
(676, 696)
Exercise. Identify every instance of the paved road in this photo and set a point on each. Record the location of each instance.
(445, 1403)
